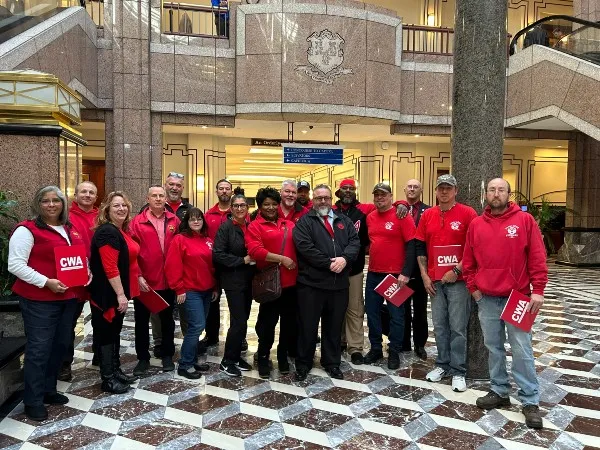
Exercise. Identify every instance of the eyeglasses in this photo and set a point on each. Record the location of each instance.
(321, 199)
(239, 205)
(50, 201)
(497, 190)
(176, 175)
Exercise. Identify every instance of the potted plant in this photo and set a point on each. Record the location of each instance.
(8, 219)
(549, 217)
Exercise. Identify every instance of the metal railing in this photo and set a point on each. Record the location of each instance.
(427, 40)
(95, 9)
(193, 20)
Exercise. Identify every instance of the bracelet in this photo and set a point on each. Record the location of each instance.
(457, 271)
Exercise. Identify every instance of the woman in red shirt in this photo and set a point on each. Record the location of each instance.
(113, 263)
(264, 238)
(190, 273)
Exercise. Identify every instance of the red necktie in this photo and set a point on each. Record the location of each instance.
(327, 225)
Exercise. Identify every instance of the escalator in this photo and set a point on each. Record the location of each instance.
(574, 36)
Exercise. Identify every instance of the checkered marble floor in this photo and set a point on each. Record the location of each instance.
(372, 408)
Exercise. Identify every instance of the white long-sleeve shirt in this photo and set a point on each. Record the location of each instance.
(19, 249)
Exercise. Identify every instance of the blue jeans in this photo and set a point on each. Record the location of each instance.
(48, 328)
(450, 310)
(494, 336)
(197, 305)
(373, 303)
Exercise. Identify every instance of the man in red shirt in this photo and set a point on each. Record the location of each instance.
(304, 194)
(153, 229)
(289, 209)
(82, 215)
(441, 238)
(417, 315)
(215, 217)
(391, 252)
(505, 251)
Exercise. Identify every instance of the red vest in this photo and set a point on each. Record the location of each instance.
(41, 259)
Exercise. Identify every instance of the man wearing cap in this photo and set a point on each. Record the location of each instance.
(391, 252)
(417, 314)
(441, 236)
(304, 194)
(353, 333)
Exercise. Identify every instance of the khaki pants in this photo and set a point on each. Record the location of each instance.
(353, 332)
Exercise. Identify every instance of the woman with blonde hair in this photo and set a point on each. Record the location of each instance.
(114, 265)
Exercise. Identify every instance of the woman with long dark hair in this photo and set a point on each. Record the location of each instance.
(114, 265)
(235, 270)
(267, 235)
(190, 273)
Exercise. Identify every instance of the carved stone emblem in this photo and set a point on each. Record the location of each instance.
(325, 56)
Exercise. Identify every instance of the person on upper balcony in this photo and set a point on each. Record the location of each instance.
(221, 13)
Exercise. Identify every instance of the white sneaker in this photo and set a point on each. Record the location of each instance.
(436, 375)
(458, 383)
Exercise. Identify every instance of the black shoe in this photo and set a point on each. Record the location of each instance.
(209, 342)
(243, 365)
(421, 353)
(335, 372)
(96, 360)
(167, 364)
(37, 413)
(65, 373)
(244, 346)
(202, 367)
(264, 368)
(406, 348)
(373, 356)
(141, 368)
(393, 360)
(157, 351)
(201, 349)
(230, 369)
(533, 418)
(357, 358)
(114, 386)
(124, 378)
(56, 399)
(192, 374)
(492, 400)
(301, 374)
(284, 366)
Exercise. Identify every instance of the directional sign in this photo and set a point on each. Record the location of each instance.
(313, 154)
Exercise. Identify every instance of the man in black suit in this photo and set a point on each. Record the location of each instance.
(417, 315)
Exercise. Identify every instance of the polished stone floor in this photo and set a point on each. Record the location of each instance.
(372, 408)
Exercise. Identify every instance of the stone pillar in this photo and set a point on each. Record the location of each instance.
(133, 150)
(582, 226)
(480, 47)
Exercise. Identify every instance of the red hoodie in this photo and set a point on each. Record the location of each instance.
(505, 252)
(84, 223)
(189, 265)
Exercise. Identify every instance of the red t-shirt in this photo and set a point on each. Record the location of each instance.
(388, 236)
(438, 227)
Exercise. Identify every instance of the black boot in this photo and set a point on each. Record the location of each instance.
(119, 374)
(110, 383)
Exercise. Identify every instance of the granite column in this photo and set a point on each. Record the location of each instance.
(480, 52)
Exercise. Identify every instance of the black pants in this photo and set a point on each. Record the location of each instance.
(418, 318)
(69, 355)
(167, 324)
(268, 316)
(47, 329)
(213, 321)
(330, 307)
(107, 332)
(240, 303)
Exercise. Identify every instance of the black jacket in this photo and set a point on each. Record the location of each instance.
(229, 250)
(360, 225)
(315, 248)
(100, 289)
(180, 211)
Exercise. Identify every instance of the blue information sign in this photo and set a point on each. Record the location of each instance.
(313, 154)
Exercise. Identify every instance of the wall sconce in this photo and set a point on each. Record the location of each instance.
(431, 20)
(200, 183)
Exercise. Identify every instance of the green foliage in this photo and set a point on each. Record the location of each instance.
(8, 218)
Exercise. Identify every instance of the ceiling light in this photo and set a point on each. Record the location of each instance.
(204, 127)
(304, 131)
(560, 146)
(431, 20)
(267, 151)
(254, 177)
(417, 135)
(263, 161)
(263, 169)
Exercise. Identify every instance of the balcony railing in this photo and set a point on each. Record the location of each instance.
(193, 20)
(427, 40)
(95, 9)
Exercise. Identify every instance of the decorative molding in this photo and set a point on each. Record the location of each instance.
(435, 163)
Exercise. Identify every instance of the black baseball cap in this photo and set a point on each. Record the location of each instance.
(303, 184)
(382, 187)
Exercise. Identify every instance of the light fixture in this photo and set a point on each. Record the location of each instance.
(304, 131)
(267, 151)
(204, 127)
(200, 183)
(431, 20)
(417, 135)
(263, 161)
(560, 146)
(241, 177)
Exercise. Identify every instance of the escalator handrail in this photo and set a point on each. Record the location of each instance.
(531, 26)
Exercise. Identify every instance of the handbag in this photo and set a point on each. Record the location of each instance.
(266, 285)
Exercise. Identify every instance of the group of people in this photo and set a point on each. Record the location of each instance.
(189, 258)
